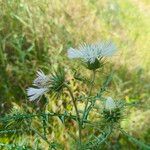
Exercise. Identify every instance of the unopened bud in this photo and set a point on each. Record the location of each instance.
(110, 104)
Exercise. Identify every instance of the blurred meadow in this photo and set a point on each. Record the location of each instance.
(36, 34)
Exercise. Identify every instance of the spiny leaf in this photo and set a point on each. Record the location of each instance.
(99, 140)
(134, 140)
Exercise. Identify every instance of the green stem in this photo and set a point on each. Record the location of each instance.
(42, 136)
(77, 113)
(99, 94)
(29, 116)
(90, 90)
(44, 124)
(135, 141)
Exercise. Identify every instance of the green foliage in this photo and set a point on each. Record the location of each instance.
(17, 123)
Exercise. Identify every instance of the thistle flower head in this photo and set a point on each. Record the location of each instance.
(35, 93)
(41, 84)
(44, 83)
(90, 53)
(110, 104)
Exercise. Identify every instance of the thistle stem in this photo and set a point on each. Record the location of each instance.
(42, 136)
(77, 113)
(89, 93)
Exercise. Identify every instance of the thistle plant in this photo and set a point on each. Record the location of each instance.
(109, 110)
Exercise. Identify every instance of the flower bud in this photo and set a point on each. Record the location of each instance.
(110, 104)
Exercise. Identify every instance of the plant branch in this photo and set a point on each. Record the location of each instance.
(29, 116)
(42, 136)
(99, 94)
(77, 112)
(137, 142)
(90, 90)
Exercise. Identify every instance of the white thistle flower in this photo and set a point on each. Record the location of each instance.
(91, 52)
(110, 104)
(42, 80)
(34, 93)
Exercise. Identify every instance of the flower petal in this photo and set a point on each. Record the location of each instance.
(110, 104)
(90, 52)
(42, 80)
(108, 49)
(72, 53)
(34, 93)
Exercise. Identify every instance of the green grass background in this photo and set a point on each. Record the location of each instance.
(37, 33)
